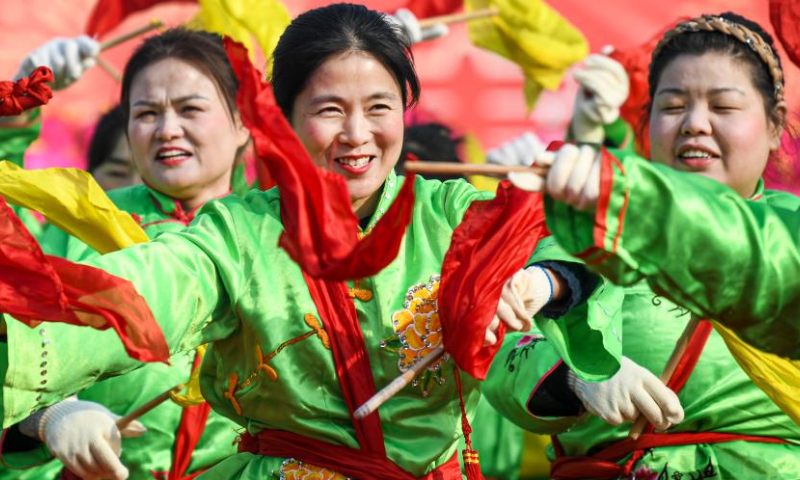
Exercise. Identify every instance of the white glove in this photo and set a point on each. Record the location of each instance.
(68, 58)
(632, 391)
(523, 296)
(519, 151)
(604, 87)
(573, 176)
(84, 436)
(406, 20)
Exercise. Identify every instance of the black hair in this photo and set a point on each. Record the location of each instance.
(699, 43)
(203, 50)
(430, 142)
(318, 34)
(109, 130)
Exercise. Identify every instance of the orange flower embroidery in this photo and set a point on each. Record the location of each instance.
(296, 470)
(418, 331)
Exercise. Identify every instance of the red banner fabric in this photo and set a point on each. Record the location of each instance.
(108, 14)
(35, 287)
(493, 242)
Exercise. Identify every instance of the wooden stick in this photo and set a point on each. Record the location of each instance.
(133, 34)
(453, 168)
(127, 419)
(458, 17)
(113, 72)
(371, 405)
(641, 422)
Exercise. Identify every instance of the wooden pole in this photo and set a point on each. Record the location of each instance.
(397, 384)
(154, 24)
(680, 348)
(453, 168)
(127, 419)
(109, 69)
(458, 17)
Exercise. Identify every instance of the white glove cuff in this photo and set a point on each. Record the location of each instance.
(32, 426)
(577, 386)
(542, 286)
(61, 410)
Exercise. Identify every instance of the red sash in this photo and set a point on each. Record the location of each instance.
(602, 465)
(344, 460)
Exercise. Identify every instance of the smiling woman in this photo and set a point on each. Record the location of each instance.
(717, 106)
(350, 119)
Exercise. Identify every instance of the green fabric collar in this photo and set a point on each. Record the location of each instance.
(164, 203)
(759, 193)
(388, 193)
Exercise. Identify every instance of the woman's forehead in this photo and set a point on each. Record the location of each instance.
(174, 77)
(709, 71)
(352, 72)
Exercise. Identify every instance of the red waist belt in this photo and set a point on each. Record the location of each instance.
(345, 460)
(602, 465)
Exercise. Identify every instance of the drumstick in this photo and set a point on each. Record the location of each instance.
(132, 34)
(110, 70)
(127, 419)
(458, 168)
(458, 17)
(641, 422)
(397, 384)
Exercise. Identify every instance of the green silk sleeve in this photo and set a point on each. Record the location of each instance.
(697, 243)
(454, 198)
(57, 242)
(190, 280)
(519, 368)
(588, 336)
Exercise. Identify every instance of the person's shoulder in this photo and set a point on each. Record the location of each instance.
(424, 187)
(129, 197)
(781, 199)
(255, 202)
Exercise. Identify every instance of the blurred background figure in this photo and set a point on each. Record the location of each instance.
(110, 161)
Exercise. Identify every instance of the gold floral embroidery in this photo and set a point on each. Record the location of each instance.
(292, 469)
(417, 332)
(233, 381)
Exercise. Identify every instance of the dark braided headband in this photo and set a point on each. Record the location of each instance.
(709, 23)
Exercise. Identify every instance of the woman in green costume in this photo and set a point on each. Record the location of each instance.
(343, 77)
(717, 110)
(185, 136)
